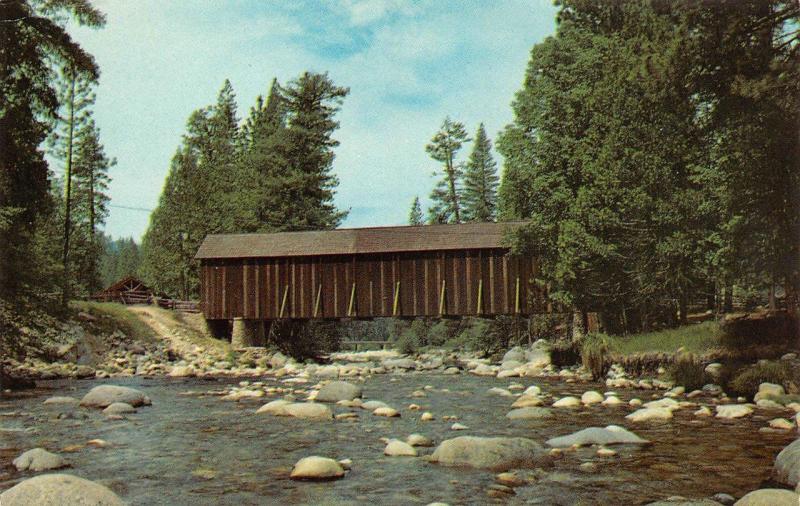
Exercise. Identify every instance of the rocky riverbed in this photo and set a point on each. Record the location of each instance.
(202, 440)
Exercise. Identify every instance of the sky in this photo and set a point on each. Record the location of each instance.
(408, 65)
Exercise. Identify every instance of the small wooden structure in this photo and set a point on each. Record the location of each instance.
(433, 270)
(128, 290)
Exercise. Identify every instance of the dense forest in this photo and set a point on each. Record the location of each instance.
(653, 154)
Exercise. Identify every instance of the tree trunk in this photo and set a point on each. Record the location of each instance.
(727, 304)
(68, 190)
(451, 181)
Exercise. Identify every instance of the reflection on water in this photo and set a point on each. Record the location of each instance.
(202, 450)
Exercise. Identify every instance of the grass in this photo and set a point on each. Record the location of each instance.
(695, 338)
(112, 316)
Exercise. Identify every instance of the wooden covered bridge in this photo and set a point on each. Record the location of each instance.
(432, 270)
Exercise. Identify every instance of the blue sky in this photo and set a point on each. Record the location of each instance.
(408, 65)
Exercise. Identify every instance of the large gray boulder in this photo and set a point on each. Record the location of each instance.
(610, 435)
(769, 497)
(529, 413)
(103, 396)
(787, 465)
(515, 354)
(39, 459)
(59, 490)
(336, 391)
(495, 453)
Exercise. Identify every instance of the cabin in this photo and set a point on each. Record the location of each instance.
(128, 290)
(406, 271)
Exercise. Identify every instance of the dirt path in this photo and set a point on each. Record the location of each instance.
(183, 333)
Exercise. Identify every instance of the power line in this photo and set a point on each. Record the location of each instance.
(132, 208)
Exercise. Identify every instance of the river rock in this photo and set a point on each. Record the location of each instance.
(39, 459)
(496, 453)
(515, 354)
(278, 360)
(59, 490)
(609, 435)
(103, 396)
(336, 391)
(276, 407)
(426, 416)
(647, 414)
(61, 400)
(592, 397)
(316, 468)
(529, 413)
(182, 371)
(373, 405)
(532, 390)
(703, 411)
(527, 401)
(484, 370)
(769, 497)
(768, 391)
(419, 440)
(386, 411)
(119, 408)
(307, 410)
(397, 448)
(400, 363)
(612, 400)
(665, 403)
(714, 369)
(500, 391)
(567, 402)
(458, 426)
(781, 423)
(787, 465)
(769, 404)
(733, 410)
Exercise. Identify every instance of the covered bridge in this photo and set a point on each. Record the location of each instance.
(431, 270)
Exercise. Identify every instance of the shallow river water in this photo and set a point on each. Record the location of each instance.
(152, 454)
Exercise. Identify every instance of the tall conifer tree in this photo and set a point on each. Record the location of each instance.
(446, 195)
(480, 181)
(415, 215)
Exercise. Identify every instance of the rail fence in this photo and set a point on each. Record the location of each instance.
(130, 298)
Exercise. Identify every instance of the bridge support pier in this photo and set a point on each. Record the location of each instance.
(247, 333)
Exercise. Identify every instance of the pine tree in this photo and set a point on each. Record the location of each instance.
(446, 196)
(415, 216)
(301, 190)
(480, 181)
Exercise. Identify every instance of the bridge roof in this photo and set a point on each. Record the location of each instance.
(351, 241)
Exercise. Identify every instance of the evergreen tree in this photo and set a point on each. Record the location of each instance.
(480, 181)
(415, 216)
(34, 44)
(120, 259)
(300, 191)
(446, 195)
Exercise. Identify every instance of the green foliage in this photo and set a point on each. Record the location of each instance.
(546, 326)
(695, 338)
(688, 372)
(479, 334)
(440, 333)
(415, 215)
(747, 380)
(309, 339)
(595, 352)
(446, 195)
(111, 317)
(121, 258)
(409, 342)
(479, 197)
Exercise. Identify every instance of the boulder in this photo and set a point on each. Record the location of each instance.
(665, 403)
(277, 407)
(119, 408)
(59, 490)
(336, 391)
(769, 391)
(769, 497)
(373, 405)
(733, 410)
(527, 401)
(529, 413)
(182, 371)
(307, 410)
(515, 354)
(567, 402)
(419, 440)
(646, 414)
(609, 435)
(316, 468)
(278, 360)
(103, 396)
(495, 453)
(787, 465)
(400, 363)
(39, 459)
(500, 391)
(612, 400)
(592, 397)
(532, 390)
(397, 448)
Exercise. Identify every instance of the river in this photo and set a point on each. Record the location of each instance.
(199, 449)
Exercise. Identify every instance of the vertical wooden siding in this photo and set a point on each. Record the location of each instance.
(258, 288)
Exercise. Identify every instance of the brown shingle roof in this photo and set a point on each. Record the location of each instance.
(356, 240)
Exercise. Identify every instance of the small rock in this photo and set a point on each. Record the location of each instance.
(646, 414)
(419, 440)
(606, 452)
(733, 410)
(387, 412)
(592, 397)
(510, 479)
(703, 411)
(61, 400)
(426, 417)
(39, 459)
(567, 402)
(316, 468)
(397, 448)
(103, 396)
(529, 413)
(118, 408)
(458, 426)
(527, 401)
(781, 423)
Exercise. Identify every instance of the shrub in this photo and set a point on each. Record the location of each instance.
(688, 372)
(759, 329)
(420, 329)
(565, 352)
(547, 326)
(595, 353)
(408, 343)
(747, 380)
(304, 339)
(478, 335)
